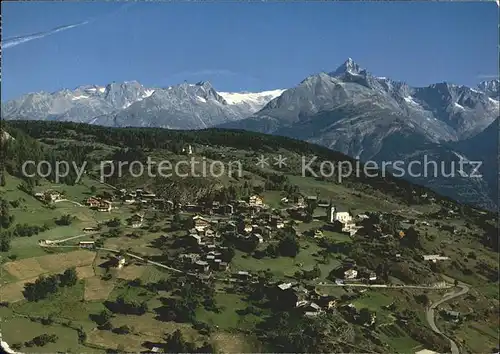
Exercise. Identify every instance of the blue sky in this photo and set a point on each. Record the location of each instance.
(244, 46)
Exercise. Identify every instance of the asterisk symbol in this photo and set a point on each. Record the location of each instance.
(262, 161)
(280, 161)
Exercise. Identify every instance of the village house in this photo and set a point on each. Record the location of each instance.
(451, 315)
(224, 266)
(188, 150)
(86, 244)
(200, 223)
(243, 275)
(189, 257)
(255, 200)
(350, 274)
(104, 205)
(248, 228)
(202, 266)
(285, 286)
(136, 220)
(90, 229)
(118, 262)
(435, 257)
(149, 195)
(312, 198)
(92, 202)
(49, 196)
(323, 204)
(372, 276)
(311, 309)
(286, 297)
(342, 216)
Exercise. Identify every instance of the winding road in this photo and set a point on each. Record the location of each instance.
(463, 289)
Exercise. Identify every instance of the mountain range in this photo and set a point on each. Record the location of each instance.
(184, 106)
(348, 110)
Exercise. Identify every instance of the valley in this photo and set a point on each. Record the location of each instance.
(269, 261)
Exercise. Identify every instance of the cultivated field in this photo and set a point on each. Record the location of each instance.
(52, 263)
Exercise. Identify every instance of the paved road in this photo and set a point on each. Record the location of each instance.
(389, 286)
(53, 242)
(69, 201)
(463, 289)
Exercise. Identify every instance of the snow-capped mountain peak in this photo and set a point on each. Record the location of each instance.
(129, 103)
(349, 67)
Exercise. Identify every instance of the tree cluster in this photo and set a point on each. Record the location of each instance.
(47, 285)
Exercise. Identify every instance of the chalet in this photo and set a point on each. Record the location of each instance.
(190, 257)
(342, 216)
(286, 297)
(209, 233)
(200, 223)
(284, 286)
(51, 196)
(188, 150)
(104, 205)
(435, 257)
(92, 202)
(202, 266)
(311, 309)
(136, 220)
(323, 204)
(86, 244)
(223, 266)
(284, 200)
(149, 195)
(129, 201)
(90, 229)
(244, 275)
(312, 198)
(248, 228)
(372, 276)
(451, 315)
(350, 274)
(255, 200)
(300, 202)
(119, 262)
